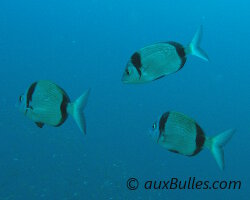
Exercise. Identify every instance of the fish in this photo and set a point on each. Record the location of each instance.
(181, 134)
(44, 102)
(155, 61)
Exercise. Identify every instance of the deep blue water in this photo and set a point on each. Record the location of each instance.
(86, 44)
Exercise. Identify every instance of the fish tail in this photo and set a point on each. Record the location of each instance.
(76, 110)
(194, 47)
(216, 144)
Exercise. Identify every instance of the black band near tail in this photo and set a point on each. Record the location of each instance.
(63, 109)
(181, 52)
(200, 139)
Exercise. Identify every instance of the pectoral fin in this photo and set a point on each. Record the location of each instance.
(39, 124)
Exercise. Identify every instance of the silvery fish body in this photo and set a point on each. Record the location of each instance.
(44, 102)
(180, 134)
(158, 60)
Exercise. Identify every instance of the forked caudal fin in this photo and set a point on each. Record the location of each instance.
(76, 110)
(216, 145)
(194, 47)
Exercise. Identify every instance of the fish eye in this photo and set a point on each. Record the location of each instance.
(154, 126)
(127, 71)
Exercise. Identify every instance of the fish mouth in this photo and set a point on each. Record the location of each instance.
(124, 79)
(125, 82)
(151, 134)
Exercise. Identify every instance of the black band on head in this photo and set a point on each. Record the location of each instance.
(30, 93)
(162, 123)
(136, 61)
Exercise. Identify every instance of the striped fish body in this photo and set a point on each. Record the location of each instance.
(180, 134)
(161, 59)
(155, 61)
(166, 57)
(46, 103)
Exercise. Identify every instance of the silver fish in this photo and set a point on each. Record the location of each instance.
(46, 103)
(180, 134)
(158, 60)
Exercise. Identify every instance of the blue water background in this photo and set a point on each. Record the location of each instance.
(86, 44)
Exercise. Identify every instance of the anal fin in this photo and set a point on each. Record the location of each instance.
(173, 151)
(39, 124)
(159, 77)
